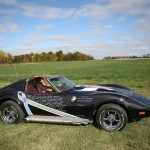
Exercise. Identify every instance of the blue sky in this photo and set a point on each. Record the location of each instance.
(96, 27)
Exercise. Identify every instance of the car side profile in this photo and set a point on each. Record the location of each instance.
(56, 99)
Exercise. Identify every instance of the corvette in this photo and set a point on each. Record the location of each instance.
(56, 99)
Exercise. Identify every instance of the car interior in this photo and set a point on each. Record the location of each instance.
(38, 85)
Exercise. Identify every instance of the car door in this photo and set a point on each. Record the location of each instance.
(40, 102)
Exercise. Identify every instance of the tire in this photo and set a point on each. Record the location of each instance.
(11, 113)
(111, 117)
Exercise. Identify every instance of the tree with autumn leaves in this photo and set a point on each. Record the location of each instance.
(5, 57)
(43, 57)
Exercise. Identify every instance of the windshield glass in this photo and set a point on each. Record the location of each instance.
(62, 83)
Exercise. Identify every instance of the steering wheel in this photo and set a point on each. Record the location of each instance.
(63, 85)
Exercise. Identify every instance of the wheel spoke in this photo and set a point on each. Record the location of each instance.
(111, 119)
(14, 112)
(9, 114)
(9, 117)
(6, 110)
(117, 120)
(111, 123)
(105, 118)
(13, 117)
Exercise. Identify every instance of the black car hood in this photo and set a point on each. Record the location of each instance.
(114, 89)
(93, 88)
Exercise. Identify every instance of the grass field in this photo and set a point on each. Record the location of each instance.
(134, 74)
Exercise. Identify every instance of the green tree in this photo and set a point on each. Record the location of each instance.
(35, 57)
(10, 59)
(3, 57)
(53, 57)
(60, 55)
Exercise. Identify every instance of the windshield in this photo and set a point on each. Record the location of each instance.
(61, 83)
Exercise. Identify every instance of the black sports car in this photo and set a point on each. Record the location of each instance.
(56, 99)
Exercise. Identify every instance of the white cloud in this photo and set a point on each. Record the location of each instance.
(109, 26)
(115, 10)
(123, 7)
(1, 39)
(45, 27)
(9, 27)
(145, 39)
(97, 29)
(121, 19)
(97, 10)
(45, 12)
(8, 12)
(122, 37)
(130, 7)
(92, 11)
(143, 25)
(8, 2)
(33, 39)
(98, 49)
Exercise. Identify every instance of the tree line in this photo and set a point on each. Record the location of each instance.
(43, 57)
(126, 57)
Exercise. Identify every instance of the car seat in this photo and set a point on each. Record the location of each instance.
(41, 88)
(31, 88)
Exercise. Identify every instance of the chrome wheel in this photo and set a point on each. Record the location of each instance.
(111, 119)
(9, 114)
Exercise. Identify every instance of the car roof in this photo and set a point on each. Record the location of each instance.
(44, 76)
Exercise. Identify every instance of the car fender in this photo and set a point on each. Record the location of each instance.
(111, 98)
(10, 96)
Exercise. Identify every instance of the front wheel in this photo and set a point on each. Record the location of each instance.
(111, 117)
(11, 113)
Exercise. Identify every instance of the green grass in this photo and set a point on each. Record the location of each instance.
(134, 74)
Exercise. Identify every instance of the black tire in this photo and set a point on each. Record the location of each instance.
(111, 117)
(11, 113)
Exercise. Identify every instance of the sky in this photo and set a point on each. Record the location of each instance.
(96, 27)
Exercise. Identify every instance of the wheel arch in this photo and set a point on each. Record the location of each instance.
(3, 100)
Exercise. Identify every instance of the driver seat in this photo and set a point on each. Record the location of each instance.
(41, 88)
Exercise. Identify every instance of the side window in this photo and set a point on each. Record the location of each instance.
(44, 83)
(31, 87)
(39, 85)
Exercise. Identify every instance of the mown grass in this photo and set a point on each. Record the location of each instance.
(134, 74)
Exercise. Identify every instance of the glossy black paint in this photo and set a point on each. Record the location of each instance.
(87, 102)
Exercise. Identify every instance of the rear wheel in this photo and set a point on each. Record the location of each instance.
(11, 113)
(111, 117)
